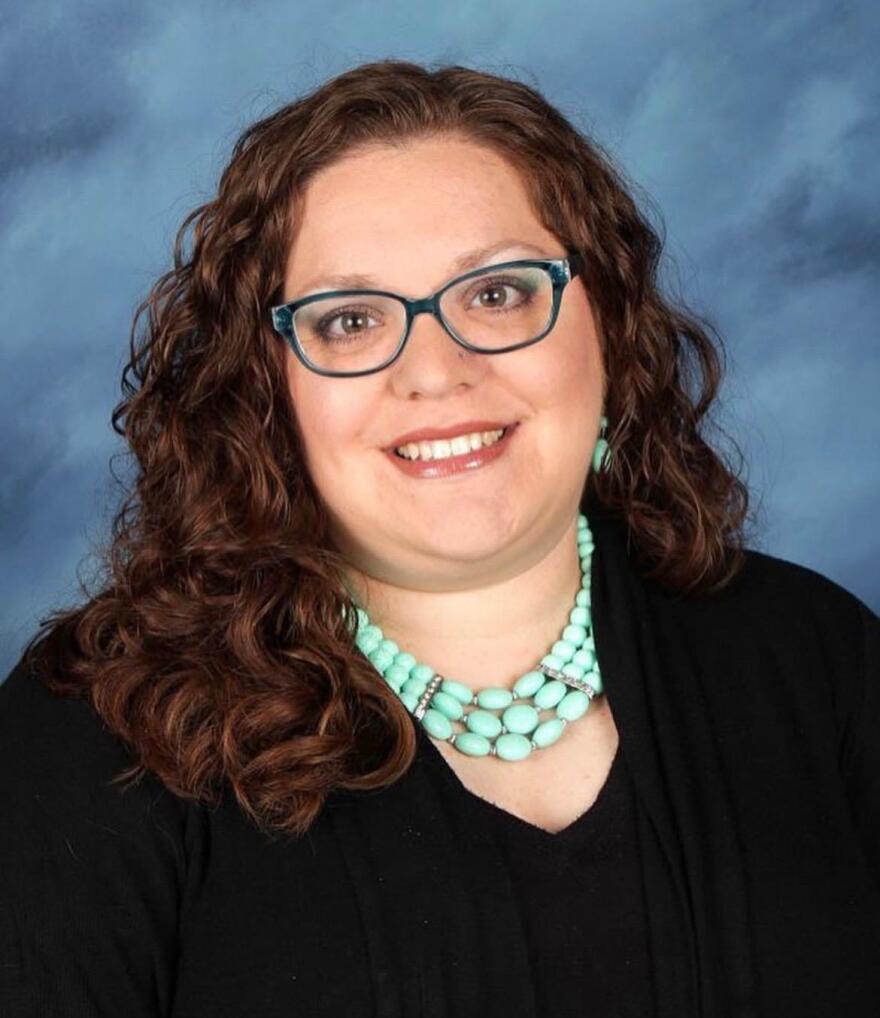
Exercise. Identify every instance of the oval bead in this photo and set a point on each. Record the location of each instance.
(381, 659)
(390, 647)
(409, 700)
(582, 598)
(437, 724)
(396, 676)
(579, 617)
(405, 660)
(414, 686)
(483, 723)
(461, 692)
(575, 635)
(573, 705)
(447, 705)
(573, 671)
(472, 744)
(362, 617)
(548, 732)
(422, 672)
(494, 698)
(584, 658)
(552, 692)
(528, 684)
(564, 650)
(553, 661)
(521, 718)
(372, 630)
(367, 642)
(512, 746)
(595, 680)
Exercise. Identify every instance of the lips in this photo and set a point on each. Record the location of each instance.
(450, 431)
(465, 463)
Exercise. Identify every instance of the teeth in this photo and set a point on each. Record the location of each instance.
(443, 448)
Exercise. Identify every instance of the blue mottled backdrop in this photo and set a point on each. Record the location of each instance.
(751, 128)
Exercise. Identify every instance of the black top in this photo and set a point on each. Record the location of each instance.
(579, 896)
(749, 722)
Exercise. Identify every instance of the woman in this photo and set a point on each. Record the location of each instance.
(428, 633)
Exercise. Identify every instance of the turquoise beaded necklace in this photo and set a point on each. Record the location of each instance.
(565, 682)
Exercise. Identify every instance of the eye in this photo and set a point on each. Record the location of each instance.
(347, 315)
(496, 289)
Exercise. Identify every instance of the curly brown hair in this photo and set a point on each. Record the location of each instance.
(217, 645)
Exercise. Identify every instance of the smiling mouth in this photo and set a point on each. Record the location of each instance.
(437, 450)
(457, 464)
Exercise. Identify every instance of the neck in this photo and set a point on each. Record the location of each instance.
(488, 634)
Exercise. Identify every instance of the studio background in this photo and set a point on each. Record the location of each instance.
(749, 130)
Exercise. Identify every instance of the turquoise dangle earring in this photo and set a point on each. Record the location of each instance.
(602, 452)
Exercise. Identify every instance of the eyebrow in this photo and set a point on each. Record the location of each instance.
(464, 262)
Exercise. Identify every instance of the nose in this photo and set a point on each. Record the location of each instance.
(426, 318)
(432, 361)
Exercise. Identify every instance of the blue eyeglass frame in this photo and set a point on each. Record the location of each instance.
(562, 271)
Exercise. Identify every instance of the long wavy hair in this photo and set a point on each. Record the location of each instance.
(216, 642)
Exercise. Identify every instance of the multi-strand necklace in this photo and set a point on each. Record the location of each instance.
(500, 722)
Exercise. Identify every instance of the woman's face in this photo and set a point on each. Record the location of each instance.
(403, 217)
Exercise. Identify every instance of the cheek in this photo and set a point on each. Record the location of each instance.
(566, 373)
(313, 412)
(579, 371)
(579, 347)
(331, 416)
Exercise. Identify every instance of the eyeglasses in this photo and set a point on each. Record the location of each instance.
(503, 307)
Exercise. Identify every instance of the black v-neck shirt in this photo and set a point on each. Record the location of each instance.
(578, 893)
(749, 723)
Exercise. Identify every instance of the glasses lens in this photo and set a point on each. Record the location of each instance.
(352, 332)
(500, 307)
(496, 309)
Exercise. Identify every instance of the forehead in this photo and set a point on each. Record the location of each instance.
(411, 217)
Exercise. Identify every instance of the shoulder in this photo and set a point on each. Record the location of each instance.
(57, 765)
(773, 574)
(799, 600)
(91, 873)
(781, 626)
(780, 601)
(776, 624)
